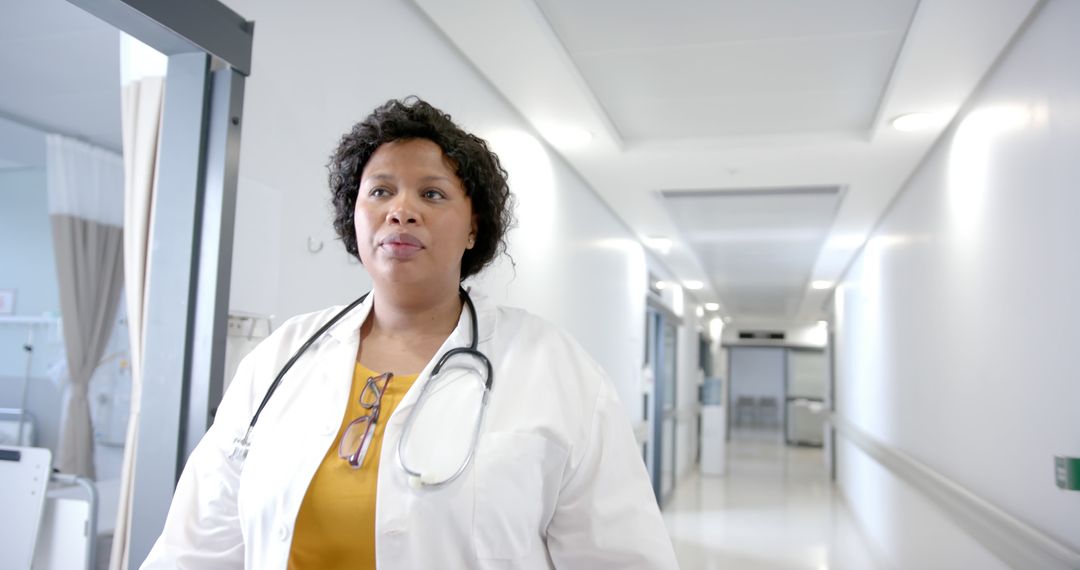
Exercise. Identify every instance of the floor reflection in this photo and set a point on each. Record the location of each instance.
(775, 509)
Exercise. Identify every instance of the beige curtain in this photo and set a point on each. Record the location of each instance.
(142, 101)
(90, 272)
(85, 190)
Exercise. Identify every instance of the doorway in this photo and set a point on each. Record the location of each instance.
(778, 393)
(661, 358)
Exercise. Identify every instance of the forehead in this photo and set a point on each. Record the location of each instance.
(402, 158)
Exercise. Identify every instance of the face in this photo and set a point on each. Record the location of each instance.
(413, 219)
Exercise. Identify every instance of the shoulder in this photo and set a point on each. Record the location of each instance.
(270, 354)
(532, 343)
(520, 326)
(307, 322)
(299, 328)
(258, 368)
(545, 377)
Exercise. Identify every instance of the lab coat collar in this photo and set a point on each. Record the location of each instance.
(347, 330)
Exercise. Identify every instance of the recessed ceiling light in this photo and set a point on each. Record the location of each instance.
(659, 243)
(917, 122)
(700, 312)
(693, 285)
(661, 284)
(567, 136)
(821, 285)
(712, 306)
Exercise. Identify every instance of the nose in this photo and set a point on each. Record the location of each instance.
(401, 211)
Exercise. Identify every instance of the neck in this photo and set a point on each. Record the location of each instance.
(414, 312)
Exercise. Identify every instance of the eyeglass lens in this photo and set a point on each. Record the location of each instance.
(357, 437)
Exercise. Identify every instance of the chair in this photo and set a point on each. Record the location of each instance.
(744, 411)
(768, 410)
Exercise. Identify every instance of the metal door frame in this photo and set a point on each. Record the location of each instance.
(190, 270)
(657, 316)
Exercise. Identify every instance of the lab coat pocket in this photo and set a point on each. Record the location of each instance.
(516, 491)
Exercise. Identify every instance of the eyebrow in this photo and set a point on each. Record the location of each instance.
(424, 179)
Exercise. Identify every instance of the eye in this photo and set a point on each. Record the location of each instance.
(378, 192)
(434, 194)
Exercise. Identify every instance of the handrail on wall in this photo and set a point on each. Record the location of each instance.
(1017, 543)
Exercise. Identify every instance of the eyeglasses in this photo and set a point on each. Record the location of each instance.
(358, 435)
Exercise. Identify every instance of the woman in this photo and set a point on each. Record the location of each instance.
(390, 442)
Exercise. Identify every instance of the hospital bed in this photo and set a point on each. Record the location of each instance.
(51, 519)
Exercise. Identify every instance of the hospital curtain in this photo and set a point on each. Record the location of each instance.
(141, 118)
(85, 190)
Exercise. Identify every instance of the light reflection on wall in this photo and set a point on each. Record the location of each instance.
(862, 336)
(533, 239)
(678, 300)
(576, 265)
(531, 181)
(970, 161)
(819, 335)
(634, 254)
(716, 329)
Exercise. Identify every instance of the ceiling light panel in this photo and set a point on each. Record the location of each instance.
(774, 66)
(758, 246)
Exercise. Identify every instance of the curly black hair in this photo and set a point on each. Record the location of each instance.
(476, 165)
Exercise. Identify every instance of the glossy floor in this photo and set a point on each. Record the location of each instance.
(775, 509)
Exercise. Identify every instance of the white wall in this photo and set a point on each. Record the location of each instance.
(956, 327)
(318, 68)
(687, 404)
(807, 335)
(28, 267)
(28, 264)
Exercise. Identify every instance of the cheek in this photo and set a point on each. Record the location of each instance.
(362, 219)
(362, 225)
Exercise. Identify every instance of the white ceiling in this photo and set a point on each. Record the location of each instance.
(751, 67)
(66, 66)
(687, 95)
(757, 246)
(706, 96)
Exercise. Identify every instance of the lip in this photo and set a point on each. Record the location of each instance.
(401, 244)
(401, 239)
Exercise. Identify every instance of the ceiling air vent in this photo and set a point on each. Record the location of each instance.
(761, 335)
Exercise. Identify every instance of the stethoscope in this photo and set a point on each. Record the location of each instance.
(416, 478)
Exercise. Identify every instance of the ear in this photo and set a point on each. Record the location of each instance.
(473, 231)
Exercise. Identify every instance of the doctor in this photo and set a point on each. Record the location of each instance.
(421, 427)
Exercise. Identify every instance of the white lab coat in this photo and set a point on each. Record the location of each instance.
(557, 480)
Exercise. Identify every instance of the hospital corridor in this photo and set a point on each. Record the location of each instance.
(539, 284)
(775, 508)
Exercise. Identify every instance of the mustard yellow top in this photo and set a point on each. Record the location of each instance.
(335, 527)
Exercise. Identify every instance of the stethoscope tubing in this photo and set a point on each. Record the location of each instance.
(243, 444)
(296, 356)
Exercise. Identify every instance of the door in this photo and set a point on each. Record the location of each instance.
(661, 354)
(757, 389)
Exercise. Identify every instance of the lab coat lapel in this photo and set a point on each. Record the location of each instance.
(320, 384)
(336, 361)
